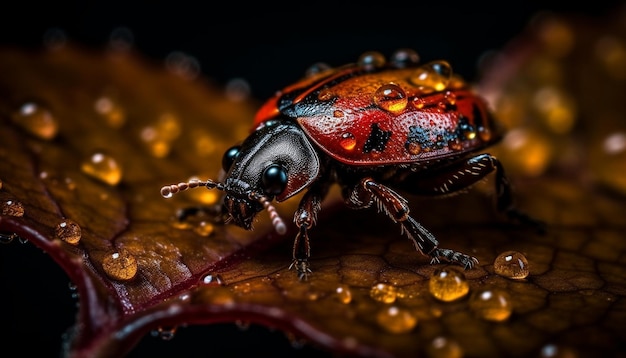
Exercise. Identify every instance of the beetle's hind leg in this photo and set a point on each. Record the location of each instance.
(367, 192)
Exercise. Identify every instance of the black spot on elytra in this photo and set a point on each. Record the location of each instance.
(377, 139)
(418, 135)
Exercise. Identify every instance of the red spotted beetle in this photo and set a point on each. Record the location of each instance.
(373, 127)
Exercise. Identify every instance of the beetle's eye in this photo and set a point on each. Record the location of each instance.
(274, 179)
(229, 157)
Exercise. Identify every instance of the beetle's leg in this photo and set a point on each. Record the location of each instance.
(463, 175)
(305, 218)
(367, 192)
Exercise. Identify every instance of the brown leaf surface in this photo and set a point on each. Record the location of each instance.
(573, 299)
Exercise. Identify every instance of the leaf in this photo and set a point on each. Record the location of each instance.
(136, 269)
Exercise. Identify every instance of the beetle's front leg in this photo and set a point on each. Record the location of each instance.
(305, 218)
(368, 191)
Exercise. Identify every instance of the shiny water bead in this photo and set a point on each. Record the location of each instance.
(12, 208)
(37, 120)
(433, 75)
(511, 264)
(384, 293)
(102, 167)
(68, 231)
(347, 141)
(391, 98)
(316, 69)
(343, 294)
(491, 304)
(113, 114)
(396, 320)
(237, 90)
(442, 347)
(120, 265)
(448, 284)
(404, 57)
(204, 228)
(371, 60)
(213, 280)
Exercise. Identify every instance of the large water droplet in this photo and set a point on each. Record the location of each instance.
(434, 75)
(347, 141)
(12, 208)
(511, 264)
(68, 231)
(391, 98)
(396, 320)
(102, 167)
(491, 304)
(383, 292)
(37, 120)
(448, 284)
(120, 265)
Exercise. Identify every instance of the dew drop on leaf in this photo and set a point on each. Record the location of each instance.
(491, 304)
(12, 208)
(37, 120)
(396, 320)
(102, 167)
(120, 265)
(68, 231)
(384, 293)
(511, 264)
(448, 284)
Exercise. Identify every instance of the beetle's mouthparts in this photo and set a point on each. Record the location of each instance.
(279, 225)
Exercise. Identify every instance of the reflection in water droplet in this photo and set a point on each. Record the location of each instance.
(68, 231)
(371, 60)
(511, 264)
(396, 320)
(391, 98)
(120, 265)
(37, 120)
(343, 294)
(165, 333)
(383, 292)
(491, 304)
(442, 347)
(434, 75)
(113, 114)
(448, 284)
(102, 167)
(12, 208)
(347, 141)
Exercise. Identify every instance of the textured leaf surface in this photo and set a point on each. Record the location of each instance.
(573, 299)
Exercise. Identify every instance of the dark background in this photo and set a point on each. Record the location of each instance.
(268, 46)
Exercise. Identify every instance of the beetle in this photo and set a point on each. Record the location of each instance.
(375, 127)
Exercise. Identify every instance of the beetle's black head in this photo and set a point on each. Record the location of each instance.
(276, 161)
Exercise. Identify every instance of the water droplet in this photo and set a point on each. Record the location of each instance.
(204, 228)
(212, 279)
(37, 120)
(434, 75)
(165, 333)
(68, 231)
(404, 58)
(12, 208)
(491, 304)
(448, 284)
(121, 39)
(556, 351)
(455, 144)
(383, 292)
(158, 138)
(396, 320)
(237, 90)
(343, 294)
(347, 141)
(391, 97)
(316, 69)
(102, 167)
(484, 134)
(113, 114)
(120, 265)
(371, 60)
(511, 264)
(414, 148)
(442, 347)
(183, 65)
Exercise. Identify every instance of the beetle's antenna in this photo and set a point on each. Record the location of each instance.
(279, 224)
(169, 190)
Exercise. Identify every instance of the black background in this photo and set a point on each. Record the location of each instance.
(269, 46)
